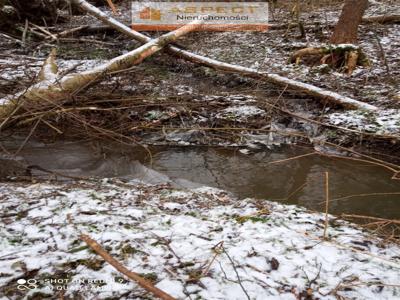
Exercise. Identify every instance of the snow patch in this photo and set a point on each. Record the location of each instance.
(173, 237)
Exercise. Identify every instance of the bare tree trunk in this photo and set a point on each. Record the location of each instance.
(343, 52)
(347, 27)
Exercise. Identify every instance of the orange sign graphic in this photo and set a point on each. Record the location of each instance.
(149, 13)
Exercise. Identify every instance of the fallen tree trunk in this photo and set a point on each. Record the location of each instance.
(305, 88)
(386, 19)
(54, 88)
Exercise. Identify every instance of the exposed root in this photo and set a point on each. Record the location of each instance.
(298, 55)
(343, 56)
(351, 61)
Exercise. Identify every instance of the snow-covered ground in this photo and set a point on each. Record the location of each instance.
(382, 122)
(193, 244)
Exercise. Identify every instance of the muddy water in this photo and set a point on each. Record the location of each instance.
(298, 181)
(355, 187)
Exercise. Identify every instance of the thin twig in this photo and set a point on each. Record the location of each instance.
(112, 6)
(369, 217)
(361, 195)
(292, 158)
(69, 31)
(237, 274)
(217, 250)
(326, 203)
(28, 137)
(24, 32)
(48, 33)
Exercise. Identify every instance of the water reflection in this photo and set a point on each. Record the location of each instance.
(299, 181)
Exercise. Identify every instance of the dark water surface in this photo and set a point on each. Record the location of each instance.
(300, 181)
(355, 187)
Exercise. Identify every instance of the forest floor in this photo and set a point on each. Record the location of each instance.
(165, 102)
(193, 244)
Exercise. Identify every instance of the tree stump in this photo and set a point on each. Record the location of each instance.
(343, 52)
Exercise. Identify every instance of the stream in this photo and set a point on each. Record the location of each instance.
(354, 187)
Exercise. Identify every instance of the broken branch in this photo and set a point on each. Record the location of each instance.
(131, 275)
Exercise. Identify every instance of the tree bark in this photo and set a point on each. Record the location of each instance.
(350, 18)
(53, 88)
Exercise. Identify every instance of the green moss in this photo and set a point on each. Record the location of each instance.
(152, 277)
(93, 228)
(243, 219)
(191, 213)
(331, 134)
(127, 226)
(74, 250)
(128, 249)
(94, 196)
(15, 240)
(93, 264)
(338, 49)
(186, 264)
(21, 215)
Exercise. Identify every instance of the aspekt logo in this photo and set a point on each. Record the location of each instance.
(149, 13)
